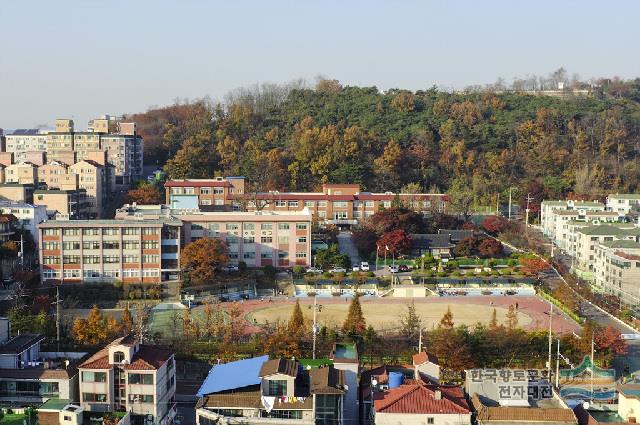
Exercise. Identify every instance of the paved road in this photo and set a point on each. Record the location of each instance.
(347, 247)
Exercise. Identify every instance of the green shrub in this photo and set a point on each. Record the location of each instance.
(441, 274)
(298, 269)
(512, 263)
(371, 274)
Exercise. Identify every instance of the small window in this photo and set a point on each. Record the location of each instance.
(430, 421)
(118, 357)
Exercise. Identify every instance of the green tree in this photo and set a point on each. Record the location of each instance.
(411, 323)
(354, 324)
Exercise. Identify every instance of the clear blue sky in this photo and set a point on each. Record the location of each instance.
(83, 58)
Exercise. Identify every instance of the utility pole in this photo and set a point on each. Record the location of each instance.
(550, 338)
(58, 318)
(593, 366)
(420, 342)
(526, 220)
(316, 308)
(558, 366)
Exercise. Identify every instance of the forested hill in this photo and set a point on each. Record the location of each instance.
(290, 138)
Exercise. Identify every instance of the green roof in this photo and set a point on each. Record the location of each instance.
(588, 204)
(625, 196)
(315, 363)
(621, 244)
(54, 404)
(344, 350)
(555, 203)
(608, 229)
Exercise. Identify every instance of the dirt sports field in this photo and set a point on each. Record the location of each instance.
(384, 314)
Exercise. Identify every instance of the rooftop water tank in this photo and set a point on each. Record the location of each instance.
(395, 379)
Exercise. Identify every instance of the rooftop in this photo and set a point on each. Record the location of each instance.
(608, 229)
(19, 343)
(233, 375)
(279, 366)
(489, 413)
(621, 244)
(424, 357)
(343, 351)
(147, 358)
(624, 196)
(431, 240)
(420, 398)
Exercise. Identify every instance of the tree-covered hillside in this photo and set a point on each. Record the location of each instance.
(296, 138)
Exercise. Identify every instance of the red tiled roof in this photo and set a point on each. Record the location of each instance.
(418, 398)
(424, 357)
(627, 256)
(202, 183)
(147, 358)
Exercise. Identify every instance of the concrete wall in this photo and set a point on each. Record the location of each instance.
(628, 407)
(422, 419)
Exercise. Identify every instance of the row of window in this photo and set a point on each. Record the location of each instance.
(107, 231)
(70, 245)
(96, 259)
(203, 190)
(97, 274)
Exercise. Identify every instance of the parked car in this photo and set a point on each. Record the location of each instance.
(314, 270)
(230, 268)
(403, 268)
(393, 269)
(364, 266)
(355, 268)
(338, 270)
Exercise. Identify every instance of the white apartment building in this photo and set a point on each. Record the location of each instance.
(25, 140)
(623, 203)
(128, 376)
(617, 271)
(125, 153)
(548, 209)
(29, 215)
(587, 238)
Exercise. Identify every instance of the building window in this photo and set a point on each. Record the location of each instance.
(150, 259)
(302, 239)
(150, 231)
(130, 259)
(277, 387)
(91, 245)
(249, 255)
(218, 190)
(301, 226)
(205, 191)
(266, 239)
(141, 378)
(92, 397)
(111, 259)
(368, 204)
(283, 226)
(282, 414)
(110, 231)
(71, 232)
(248, 239)
(266, 255)
(90, 259)
(430, 421)
(301, 254)
(130, 231)
(110, 245)
(130, 245)
(309, 204)
(71, 259)
(94, 377)
(50, 245)
(281, 204)
(266, 226)
(293, 204)
(70, 245)
(233, 226)
(51, 232)
(140, 398)
(339, 204)
(386, 204)
(249, 226)
(150, 244)
(118, 357)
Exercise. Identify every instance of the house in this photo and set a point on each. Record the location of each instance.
(374, 380)
(278, 391)
(132, 377)
(345, 358)
(435, 244)
(426, 367)
(629, 400)
(28, 215)
(415, 403)
(457, 235)
(554, 412)
(31, 376)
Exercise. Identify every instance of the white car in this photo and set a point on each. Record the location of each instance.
(314, 270)
(338, 270)
(364, 266)
(355, 268)
(393, 269)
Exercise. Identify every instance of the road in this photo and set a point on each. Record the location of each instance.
(347, 247)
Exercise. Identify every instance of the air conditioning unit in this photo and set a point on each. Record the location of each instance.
(384, 387)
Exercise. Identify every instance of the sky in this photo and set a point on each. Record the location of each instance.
(83, 58)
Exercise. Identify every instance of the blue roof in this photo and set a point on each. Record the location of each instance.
(229, 376)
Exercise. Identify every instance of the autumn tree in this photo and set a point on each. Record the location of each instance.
(490, 248)
(395, 242)
(145, 194)
(126, 321)
(296, 321)
(92, 330)
(494, 224)
(200, 259)
(467, 247)
(533, 266)
(355, 323)
(447, 320)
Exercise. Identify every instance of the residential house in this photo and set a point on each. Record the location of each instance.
(130, 377)
(548, 210)
(623, 203)
(416, 402)
(587, 238)
(435, 244)
(63, 204)
(426, 367)
(31, 376)
(457, 235)
(263, 391)
(56, 175)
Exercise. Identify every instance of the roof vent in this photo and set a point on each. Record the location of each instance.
(438, 395)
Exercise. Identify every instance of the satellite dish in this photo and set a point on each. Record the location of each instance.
(585, 405)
